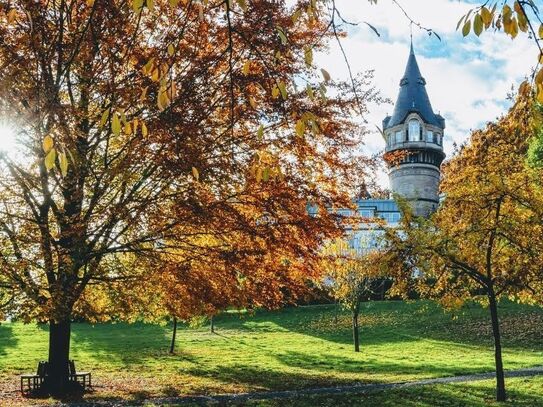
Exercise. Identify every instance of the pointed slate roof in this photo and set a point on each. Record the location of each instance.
(413, 97)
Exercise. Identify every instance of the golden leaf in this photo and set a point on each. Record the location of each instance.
(137, 5)
(63, 163)
(103, 119)
(195, 173)
(144, 130)
(47, 143)
(50, 159)
(150, 4)
(12, 14)
(486, 16)
(282, 35)
(246, 67)
(300, 128)
(171, 49)
(116, 124)
(283, 88)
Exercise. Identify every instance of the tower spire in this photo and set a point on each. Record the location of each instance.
(412, 96)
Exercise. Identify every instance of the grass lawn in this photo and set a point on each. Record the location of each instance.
(292, 348)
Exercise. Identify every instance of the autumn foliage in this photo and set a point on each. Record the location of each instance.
(168, 152)
(482, 244)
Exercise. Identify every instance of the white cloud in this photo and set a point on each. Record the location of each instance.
(468, 79)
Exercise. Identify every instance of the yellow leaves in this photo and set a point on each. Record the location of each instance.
(308, 56)
(275, 92)
(163, 100)
(171, 49)
(137, 6)
(282, 35)
(47, 143)
(174, 3)
(104, 118)
(150, 5)
(325, 75)
(540, 31)
(50, 159)
(143, 94)
(127, 129)
(260, 132)
(283, 89)
(309, 91)
(115, 124)
(90, 3)
(147, 68)
(246, 67)
(486, 16)
(242, 4)
(63, 163)
(12, 14)
(300, 127)
(144, 130)
(195, 173)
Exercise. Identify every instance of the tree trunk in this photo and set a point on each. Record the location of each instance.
(172, 345)
(57, 381)
(355, 332)
(212, 325)
(500, 381)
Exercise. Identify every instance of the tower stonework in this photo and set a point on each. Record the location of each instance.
(416, 133)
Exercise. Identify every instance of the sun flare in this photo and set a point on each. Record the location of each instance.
(8, 140)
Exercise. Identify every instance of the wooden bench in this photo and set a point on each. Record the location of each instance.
(33, 382)
(83, 378)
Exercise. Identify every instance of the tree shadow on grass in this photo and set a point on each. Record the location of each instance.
(122, 343)
(397, 321)
(7, 339)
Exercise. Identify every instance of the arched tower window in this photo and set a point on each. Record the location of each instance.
(414, 130)
(429, 136)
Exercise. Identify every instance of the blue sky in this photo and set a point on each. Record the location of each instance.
(468, 79)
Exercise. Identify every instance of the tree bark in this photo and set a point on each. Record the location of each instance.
(500, 380)
(174, 334)
(57, 381)
(355, 332)
(212, 325)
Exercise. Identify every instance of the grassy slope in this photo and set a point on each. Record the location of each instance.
(293, 348)
(521, 392)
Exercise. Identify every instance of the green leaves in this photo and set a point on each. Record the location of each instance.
(308, 56)
(477, 25)
(282, 35)
(466, 28)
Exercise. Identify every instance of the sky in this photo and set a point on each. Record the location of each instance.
(468, 79)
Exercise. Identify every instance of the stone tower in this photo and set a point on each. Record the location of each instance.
(417, 130)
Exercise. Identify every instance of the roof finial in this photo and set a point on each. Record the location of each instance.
(411, 37)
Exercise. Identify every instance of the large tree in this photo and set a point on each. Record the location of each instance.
(143, 125)
(483, 243)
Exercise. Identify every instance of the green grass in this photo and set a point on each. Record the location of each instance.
(522, 392)
(288, 349)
